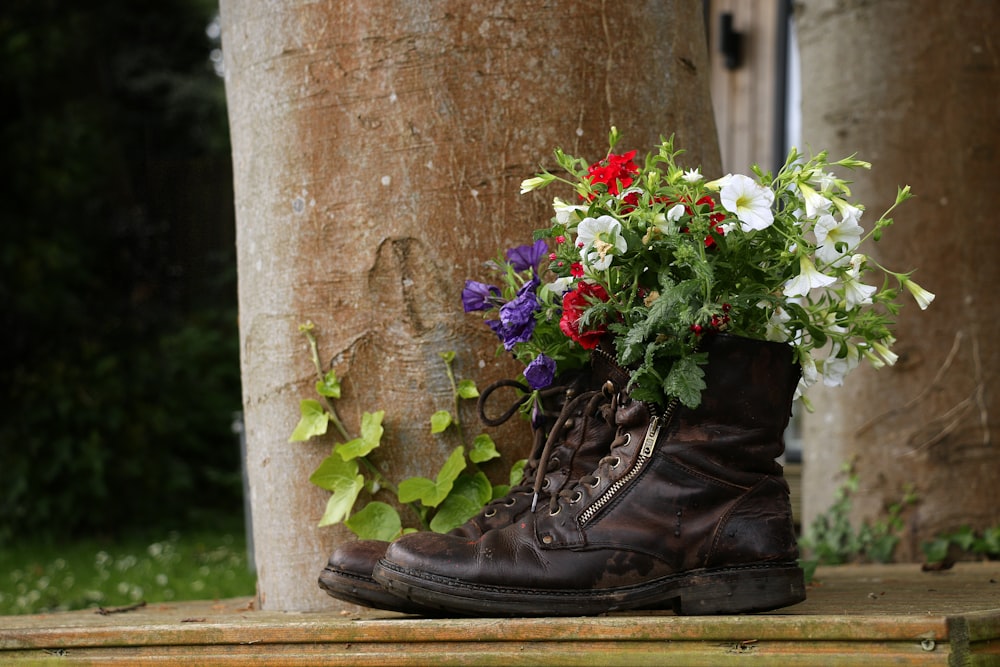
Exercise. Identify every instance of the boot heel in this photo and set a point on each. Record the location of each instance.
(737, 591)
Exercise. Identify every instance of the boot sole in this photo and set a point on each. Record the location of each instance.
(366, 592)
(735, 590)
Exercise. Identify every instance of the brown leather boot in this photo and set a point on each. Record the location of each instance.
(688, 510)
(579, 435)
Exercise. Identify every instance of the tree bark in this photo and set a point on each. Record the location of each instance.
(378, 147)
(913, 87)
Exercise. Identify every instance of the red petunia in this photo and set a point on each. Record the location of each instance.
(574, 303)
(576, 270)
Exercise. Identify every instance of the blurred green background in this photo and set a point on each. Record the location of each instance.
(119, 361)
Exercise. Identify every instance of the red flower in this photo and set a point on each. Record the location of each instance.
(576, 270)
(574, 303)
(615, 171)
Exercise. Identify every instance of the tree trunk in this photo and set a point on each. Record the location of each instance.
(912, 86)
(378, 147)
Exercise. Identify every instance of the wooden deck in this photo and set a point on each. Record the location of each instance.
(855, 615)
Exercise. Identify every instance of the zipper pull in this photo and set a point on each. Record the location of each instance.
(652, 434)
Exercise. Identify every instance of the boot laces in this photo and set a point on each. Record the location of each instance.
(611, 399)
(540, 462)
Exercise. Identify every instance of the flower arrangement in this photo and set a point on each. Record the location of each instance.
(652, 257)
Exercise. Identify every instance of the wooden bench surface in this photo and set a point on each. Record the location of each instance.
(855, 615)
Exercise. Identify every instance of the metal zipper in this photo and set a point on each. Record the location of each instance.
(645, 452)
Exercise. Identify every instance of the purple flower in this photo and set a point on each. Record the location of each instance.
(525, 257)
(479, 296)
(517, 317)
(540, 372)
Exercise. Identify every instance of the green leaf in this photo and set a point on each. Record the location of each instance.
(467, 497)
(314, 421)
(431, 493)
(936, 550)
(329, 385)
(447, 356)
(342, 479)
(500, 490)
(371, 437)
(483, 449)
(467, 389)
(685, 381)
(376, 521)
(440, 420)
(517, 471)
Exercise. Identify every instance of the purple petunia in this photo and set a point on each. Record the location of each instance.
(525, 257)
(540, 372)
(517, 316)
(479, 296)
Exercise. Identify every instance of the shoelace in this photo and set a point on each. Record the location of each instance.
(539, 467)
(610, 395)
(593, 398)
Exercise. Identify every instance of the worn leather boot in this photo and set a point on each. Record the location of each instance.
(688, 510)
(579, 435)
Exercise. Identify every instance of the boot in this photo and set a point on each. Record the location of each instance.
(578, 437)
(689, 510)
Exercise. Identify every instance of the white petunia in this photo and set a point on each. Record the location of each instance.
(564, 211)
(560, 286)
(529, 184)
(856, 292)
(809, 278)
(810, 375)
(922, 296)
(814, 201)
(749, 200)
(882, 347)
(692, 176)
(830, 232)
(775, 328)
(835, 369)
(599, 239)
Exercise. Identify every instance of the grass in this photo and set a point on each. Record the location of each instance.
(195, 565)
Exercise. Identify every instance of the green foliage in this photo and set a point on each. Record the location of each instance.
(457, 492)
(117, 274)
(831, 539)
(963, 543)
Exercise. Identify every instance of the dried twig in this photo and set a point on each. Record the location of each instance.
(104, 611)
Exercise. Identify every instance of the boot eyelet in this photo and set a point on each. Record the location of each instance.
(492, 512)
(546, 539)
(577, 497)
(546, 483)
(555, 511)
(597, 482)
(509, 502)
(618, 462)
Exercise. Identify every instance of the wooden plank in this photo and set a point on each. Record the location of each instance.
(853, 615)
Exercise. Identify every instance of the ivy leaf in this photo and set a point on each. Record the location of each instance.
(467, 389)
(500, 490)
(483, 449)
(371, 437)
(447, 356)
(686, 381)
(431, 492)
(440, 420)
(313, 422)
(517, 471)
(329, 385)
(342, 479)
(376, 521)
(467, 497)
